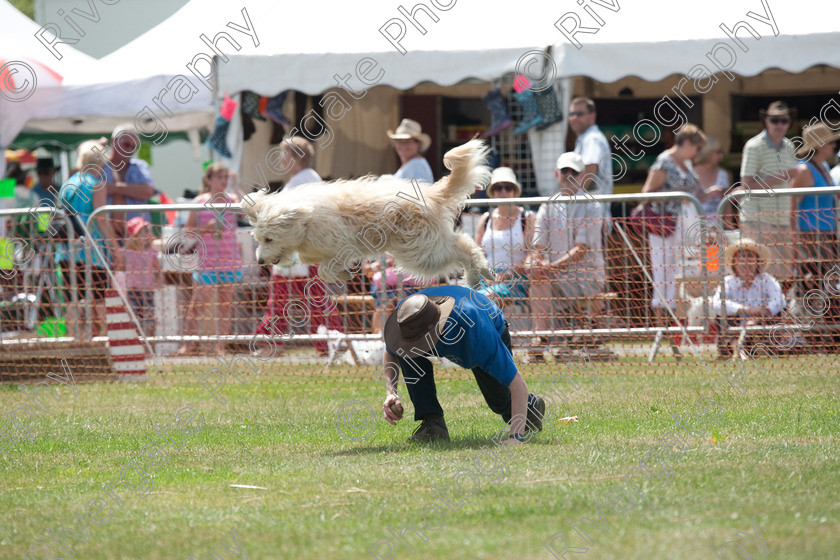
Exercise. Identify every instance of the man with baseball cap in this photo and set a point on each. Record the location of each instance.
(128, 179)
(468, 329)
(567, 263)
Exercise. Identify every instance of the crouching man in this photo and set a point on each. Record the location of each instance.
(468, 329)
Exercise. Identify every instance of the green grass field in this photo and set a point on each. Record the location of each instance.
(772, 455)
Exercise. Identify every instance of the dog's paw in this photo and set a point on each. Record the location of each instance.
(473, 279)
(334, 275)
(488, 274)
(326, 274)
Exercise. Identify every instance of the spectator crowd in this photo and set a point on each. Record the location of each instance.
(553, 262)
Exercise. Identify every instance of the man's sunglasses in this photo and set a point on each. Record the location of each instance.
(779, 120)
(578, 113)
(567, 170)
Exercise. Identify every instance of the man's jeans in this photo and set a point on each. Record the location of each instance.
(423, 395)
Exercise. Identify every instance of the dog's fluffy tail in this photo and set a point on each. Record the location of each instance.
(468, 170)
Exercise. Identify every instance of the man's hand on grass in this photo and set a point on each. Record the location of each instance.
(395, 414)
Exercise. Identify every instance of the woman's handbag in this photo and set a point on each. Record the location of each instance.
(647, 219)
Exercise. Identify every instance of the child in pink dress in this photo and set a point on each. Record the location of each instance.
(142, 272)
(210, 310)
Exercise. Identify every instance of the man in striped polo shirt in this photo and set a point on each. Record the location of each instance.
(769, 163)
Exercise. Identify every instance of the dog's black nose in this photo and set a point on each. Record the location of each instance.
(260, 261)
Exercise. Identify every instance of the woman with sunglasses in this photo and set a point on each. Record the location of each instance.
(672, 171)
(502, 233)
(713, 178)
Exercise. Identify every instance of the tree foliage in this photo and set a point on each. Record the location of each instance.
(26, 7)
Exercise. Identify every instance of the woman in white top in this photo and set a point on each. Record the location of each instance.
(410, 141)
(672, 171)
(502, 233)
(749, 296)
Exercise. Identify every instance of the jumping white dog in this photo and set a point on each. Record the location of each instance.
(337, 224)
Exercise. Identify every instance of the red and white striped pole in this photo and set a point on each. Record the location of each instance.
(126, 350)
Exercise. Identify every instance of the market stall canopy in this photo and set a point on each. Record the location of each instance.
(18, 40)
(642, 38)
(313, 46)
(652, 40)
(267, 47)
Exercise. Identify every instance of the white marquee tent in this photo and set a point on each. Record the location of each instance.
(20, 53)
(304, 46)
(94, 95)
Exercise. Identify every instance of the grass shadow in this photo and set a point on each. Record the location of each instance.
(454, 444)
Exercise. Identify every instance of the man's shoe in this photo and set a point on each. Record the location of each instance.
(432, 428)
(536, 412)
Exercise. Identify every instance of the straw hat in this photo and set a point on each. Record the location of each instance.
(778, 109)
(409, 129)
(816, 137)
(504, 175)
(416, 324)
(745, 244)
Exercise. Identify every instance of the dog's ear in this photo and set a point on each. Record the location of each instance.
(293, 215)
(252, 203)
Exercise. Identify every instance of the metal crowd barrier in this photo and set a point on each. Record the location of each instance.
(240, 338)
(633, 198)
(740, 195)
(607, 199)
(46, 252)
(636, 263)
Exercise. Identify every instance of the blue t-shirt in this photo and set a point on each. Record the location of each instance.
(816, 212)
(137, 171)
(474, 329)
(418, 168)
(41, 194)
(76, 195)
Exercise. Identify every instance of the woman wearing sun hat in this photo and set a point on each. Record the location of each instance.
(813, 217)
(410, 141)
(751, 296)
(502, 233)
